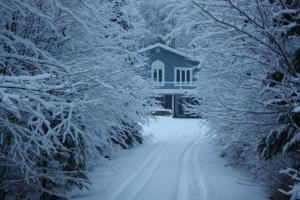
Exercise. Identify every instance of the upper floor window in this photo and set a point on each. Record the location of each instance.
(183, 75)
(158, 71)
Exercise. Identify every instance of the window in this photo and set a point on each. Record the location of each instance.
(177, 75)
(155, 75)
(188, 76)
(160, 75)
(183, 75)
(158, 71)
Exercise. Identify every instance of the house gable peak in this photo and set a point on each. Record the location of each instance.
(159, 45)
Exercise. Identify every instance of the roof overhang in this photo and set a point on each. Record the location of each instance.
(167, 48)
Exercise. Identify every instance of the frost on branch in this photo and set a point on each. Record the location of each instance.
(249, 78)
(61, 101)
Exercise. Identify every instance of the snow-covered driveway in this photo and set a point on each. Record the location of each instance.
(178, 162)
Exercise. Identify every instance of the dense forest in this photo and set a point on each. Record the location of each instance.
(71, 94)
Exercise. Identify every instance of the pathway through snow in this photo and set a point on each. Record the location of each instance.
(179, 162)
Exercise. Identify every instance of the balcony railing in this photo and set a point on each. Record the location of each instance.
(174, 85)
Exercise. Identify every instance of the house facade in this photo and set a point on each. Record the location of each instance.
(173, 74)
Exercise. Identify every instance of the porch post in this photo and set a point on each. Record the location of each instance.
(173, 105)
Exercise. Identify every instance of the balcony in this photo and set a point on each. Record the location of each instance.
(171, 87)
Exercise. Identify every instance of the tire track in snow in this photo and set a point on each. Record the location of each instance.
(151, 160)
(187, 172)
(198, 185)
(149, 175)
(182, 184)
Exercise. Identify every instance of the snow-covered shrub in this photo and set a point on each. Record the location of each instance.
(294, 191)
(127, 136)
(66, 84)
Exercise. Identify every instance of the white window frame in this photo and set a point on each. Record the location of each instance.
(185, 69)
(156, 66)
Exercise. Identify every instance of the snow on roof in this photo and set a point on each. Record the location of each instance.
(170, 49)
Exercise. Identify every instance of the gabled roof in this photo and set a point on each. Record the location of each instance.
(189, 57)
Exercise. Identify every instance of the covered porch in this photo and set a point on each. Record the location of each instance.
(174, 102)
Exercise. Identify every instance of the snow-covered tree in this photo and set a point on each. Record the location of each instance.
(69, 93)
(155, 26)
(249, 78)
(259, 81)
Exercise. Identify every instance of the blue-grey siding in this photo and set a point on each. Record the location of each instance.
(171, 60)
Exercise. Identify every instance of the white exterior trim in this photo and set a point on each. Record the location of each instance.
(158, 65)
(173, 91)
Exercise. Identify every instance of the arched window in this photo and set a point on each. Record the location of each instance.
(158, 71)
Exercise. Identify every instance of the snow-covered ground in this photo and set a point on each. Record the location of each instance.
(178, 161)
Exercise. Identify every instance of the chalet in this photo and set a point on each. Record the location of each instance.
(173, 73)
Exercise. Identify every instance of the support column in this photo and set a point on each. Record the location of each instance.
(173, 105)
